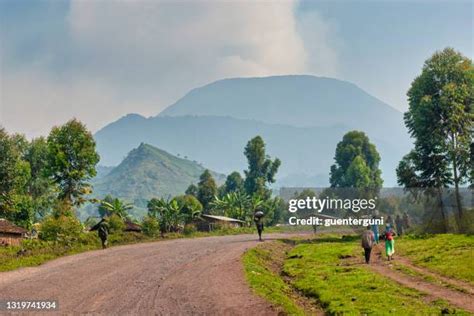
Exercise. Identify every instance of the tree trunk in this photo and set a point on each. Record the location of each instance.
(456, 180)
(441, 208)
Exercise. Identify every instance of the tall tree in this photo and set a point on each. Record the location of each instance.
(72, 160)
(14, 175)
(233, 183)
(440, 119)
(357, 163)
(207, 189)
(261, 169)
(40, 188)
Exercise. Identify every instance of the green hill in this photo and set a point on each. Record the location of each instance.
(149, 172)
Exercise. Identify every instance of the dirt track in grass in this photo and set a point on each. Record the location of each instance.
(201, 276)
(464, 299)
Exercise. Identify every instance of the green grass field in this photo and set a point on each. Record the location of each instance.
(447, 254)
(329, 271)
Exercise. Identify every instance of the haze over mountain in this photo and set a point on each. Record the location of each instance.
(301, 118)
(297, 100)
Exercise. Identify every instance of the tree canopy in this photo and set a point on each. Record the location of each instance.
(356, 163)
(261, 169)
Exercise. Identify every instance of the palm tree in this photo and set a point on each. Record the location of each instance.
(168, 214)
(117, 207)
(235, 204)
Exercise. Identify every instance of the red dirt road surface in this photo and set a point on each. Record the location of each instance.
(201, 276)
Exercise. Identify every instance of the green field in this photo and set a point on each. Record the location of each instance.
(447, 254)
(330, 272)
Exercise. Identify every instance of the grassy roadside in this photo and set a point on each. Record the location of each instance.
(447, 254)
(36, 252)
(328, 271)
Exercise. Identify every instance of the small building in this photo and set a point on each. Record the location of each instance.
(132, 227)
(208, 222)
(10, 234)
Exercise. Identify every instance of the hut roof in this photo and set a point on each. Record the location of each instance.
(10, 228)
(132, 227)
(222, 218)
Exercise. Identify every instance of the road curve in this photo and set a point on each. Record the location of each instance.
(201, 276)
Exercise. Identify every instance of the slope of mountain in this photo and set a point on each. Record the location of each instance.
(301, 118)
(297, 100)
(218, 143)
(149, 172)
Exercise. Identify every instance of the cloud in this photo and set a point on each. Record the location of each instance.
(119, 57)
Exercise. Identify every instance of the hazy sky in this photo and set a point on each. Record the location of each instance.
(99, 60)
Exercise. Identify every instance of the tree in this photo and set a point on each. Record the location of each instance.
(235, 205)
(207, 189)
(440, 119)
(103, 211)
(167, 213)
(357, 163)
(190, 207)
(14, 175)
(39, 187)
(261, 169)
(72, 160)
(116, 207)
(233, 183)
(192, 190)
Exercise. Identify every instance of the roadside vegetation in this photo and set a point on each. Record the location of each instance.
(450, 255)
(329, 271)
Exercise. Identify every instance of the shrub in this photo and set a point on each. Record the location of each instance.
(62, 228)
(150, 226)
(189, 229)
(116, 224)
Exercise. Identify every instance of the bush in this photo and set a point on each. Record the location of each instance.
(63, 228)
(189, 229)
(150, 226)
(116, 224)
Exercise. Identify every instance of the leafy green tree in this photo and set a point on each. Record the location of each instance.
(103, 211)
(261, 169)
(72, 159)
(14, 175)
(39, 187)
(168, 214)
(117, 207)
(192, 190)
(356, 163)
(236, 205)
(440, 120)
(207, 189)
(190, 207)
(233, 183)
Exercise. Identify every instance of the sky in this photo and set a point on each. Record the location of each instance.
(100, 60)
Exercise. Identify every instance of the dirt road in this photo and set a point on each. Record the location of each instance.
(201, 276)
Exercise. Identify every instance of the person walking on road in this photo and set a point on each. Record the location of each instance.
(257, 217)
(367, 243)
(102, 228)
(389, 242)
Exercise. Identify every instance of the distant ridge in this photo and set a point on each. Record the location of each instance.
(149, 172)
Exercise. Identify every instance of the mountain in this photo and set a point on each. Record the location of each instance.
(149, 172)
(218, 142)
(297, 100)
(301, 118)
